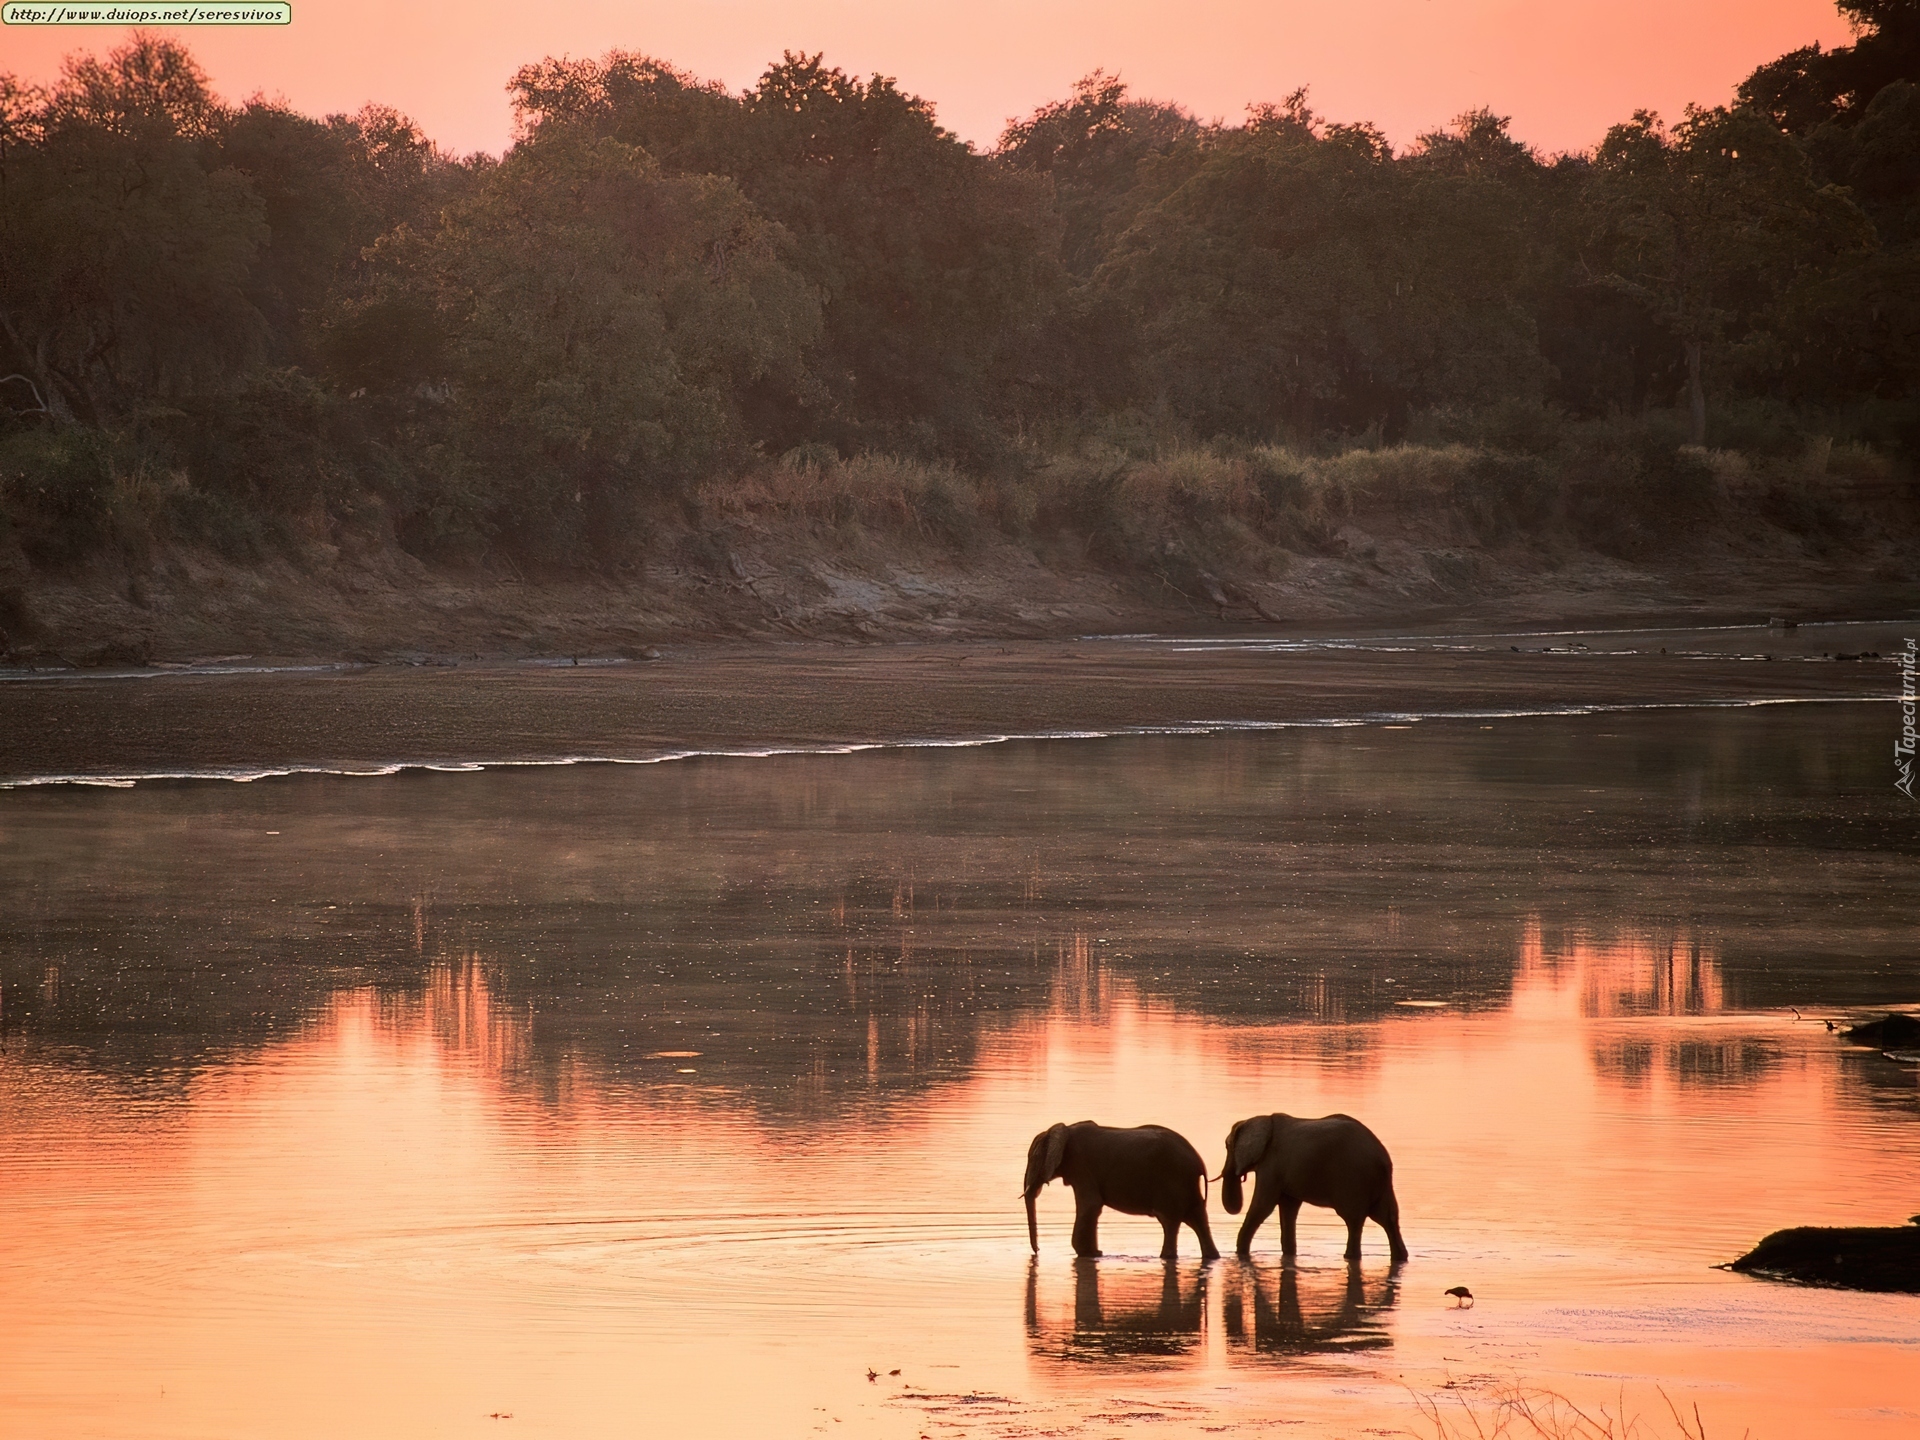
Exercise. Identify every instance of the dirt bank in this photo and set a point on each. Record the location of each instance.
(883, 552)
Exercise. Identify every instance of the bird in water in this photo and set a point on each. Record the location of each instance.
(1462, 1297)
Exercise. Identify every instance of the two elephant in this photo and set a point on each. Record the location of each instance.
(1334, 1161)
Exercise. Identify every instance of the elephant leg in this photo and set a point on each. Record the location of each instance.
(1086, 1223)
(1387, 1215)
(1258, 1208)
(1170, 1236)
(1197, 1219)
(1289, 1233)
(1355, 1224)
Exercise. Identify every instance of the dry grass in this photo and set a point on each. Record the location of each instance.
(879, 492)
(1175, 509)
(1395, 477)
(1517, 1412)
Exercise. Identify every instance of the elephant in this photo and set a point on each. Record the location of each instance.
(1146, 1170)
(1334, 1161)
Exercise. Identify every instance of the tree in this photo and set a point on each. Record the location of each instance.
(1479, 145)
(935, 265)
(601, 321)
(125, 248)
(1878, 160)
(685, 123)
(1092, 146)
(1299, 278)
(1709, 226)
(1810, 87)
(330, 188)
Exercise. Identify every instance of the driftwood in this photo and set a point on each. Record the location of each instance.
(1866, 1258)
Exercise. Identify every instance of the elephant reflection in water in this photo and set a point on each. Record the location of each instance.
(1122, 1311)
(1279, 1299)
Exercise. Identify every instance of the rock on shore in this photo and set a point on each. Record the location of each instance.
(1885, 1258)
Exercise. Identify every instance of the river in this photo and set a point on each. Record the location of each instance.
(692, 1097)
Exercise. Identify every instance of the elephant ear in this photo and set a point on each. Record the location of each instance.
(1250, 1141)
(1056, 1152)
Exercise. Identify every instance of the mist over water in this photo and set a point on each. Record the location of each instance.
(677, 1098)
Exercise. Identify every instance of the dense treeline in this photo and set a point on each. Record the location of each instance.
(238, 316)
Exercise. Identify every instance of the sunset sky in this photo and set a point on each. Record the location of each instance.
(1563, 69)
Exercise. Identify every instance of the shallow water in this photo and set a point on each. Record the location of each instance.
(244, 722)
(675, 1099)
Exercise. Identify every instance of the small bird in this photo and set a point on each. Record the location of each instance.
(1462, 1297)
(872, 1375)
(1831, 1027)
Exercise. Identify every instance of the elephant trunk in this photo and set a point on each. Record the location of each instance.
(1033, 1222)
(1230, 1189)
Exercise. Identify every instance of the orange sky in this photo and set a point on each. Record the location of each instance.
(1564, 69)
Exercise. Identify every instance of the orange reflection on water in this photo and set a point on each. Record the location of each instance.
(406, 1218)
(1672, 973)
(457, 1008)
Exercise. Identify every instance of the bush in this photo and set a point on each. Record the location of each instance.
(1637, 500)
(888, 493)
(58, 490)
(275, 443)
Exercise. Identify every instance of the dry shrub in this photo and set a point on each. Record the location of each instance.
(1188, 483)
(1186, 501)
(1733, 471)
(1397, 479)
(1477, 492)
(1858, 465)
(1620, 489)
(885, 493)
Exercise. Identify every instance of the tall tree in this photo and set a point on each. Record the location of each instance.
(125, 249)
(1300, 278)
(1811, 86)
(1092, 147)
(1710, 225)
(601, 320)
(934, 263)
